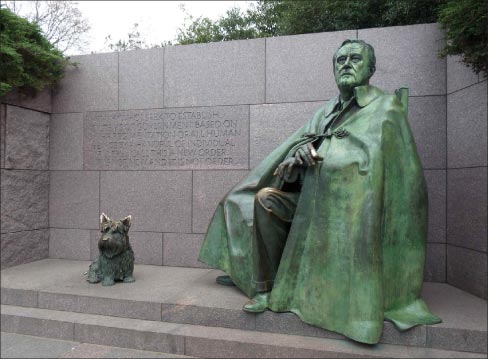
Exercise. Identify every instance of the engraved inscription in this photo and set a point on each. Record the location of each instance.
(189, 138)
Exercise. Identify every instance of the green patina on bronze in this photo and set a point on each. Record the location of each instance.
(354, 253)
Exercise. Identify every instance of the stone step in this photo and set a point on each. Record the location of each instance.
(198, 341)
(191, 296)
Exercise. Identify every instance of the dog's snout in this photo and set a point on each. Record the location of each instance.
(104, 238)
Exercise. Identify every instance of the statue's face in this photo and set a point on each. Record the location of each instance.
(351, 67)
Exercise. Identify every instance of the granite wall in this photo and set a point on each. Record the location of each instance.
(163, 134)
(24, 178)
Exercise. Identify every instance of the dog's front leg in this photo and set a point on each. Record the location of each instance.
(108, 281)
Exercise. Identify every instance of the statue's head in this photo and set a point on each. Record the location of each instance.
(354, 64)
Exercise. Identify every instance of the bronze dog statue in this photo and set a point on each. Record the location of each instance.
(116, 259)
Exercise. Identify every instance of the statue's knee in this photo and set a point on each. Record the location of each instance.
(263, 197)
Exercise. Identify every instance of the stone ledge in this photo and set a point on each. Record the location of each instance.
(191, 296)
(199, 341)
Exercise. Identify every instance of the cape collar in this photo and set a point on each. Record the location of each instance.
(364, 96)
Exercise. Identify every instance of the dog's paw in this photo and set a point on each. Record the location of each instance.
(108, 282)
(129, 279)
(93, 280)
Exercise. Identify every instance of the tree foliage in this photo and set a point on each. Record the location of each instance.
(61, 22)
(289, 17)
(28, 61)
(466, 24)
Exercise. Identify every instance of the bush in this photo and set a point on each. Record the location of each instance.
(466, 25)
(28, 62)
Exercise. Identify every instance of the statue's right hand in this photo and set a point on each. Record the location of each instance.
(287, 166)
(306, 154)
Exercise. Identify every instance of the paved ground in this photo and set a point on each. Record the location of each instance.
(24, 346)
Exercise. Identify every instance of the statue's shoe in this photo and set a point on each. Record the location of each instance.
(225, 280)
(257, 304)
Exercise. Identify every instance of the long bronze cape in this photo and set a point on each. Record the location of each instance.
(355, 252)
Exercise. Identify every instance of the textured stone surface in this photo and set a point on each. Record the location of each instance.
(466, 269)
(271, 124)
(223, 73)
(66, 142)
(427, 118)
(214, 137)
(34, 326)
(415, 336)
(467, 127)
(435, 263)
(299, 68)
(91, 85)
(24, 246)
(95, 305)
(19, 297)
(207, 316)
(147, 246)
(132, 338)
(459, 75)
(3, 109)
(408, 56)
(467, 208)
(69, 244)
(461, 340)
(24, 204)
(209, 187)
(40, 102)
(289, 323)
(74, 200)
(436, 185)
(182, 249)
(141, 79)
(158, 201)
(26, 139)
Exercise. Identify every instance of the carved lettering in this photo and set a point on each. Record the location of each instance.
(191, 138)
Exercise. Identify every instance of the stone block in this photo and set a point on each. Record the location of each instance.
(130, 338)
(15, 346)
(26, 139)
(37, 327)
(74, 199)
(141, 79)
(289, 323)
(209, 187)
(71, 244)
(271, 124)
(467, 208)
(101, 306)
(182, 250)
(412, 337)
(3, 109)
(206, 316)
(41, 101)
(202, 138)
(24, 246)
(436, 185)
(66, 142)
(459, 75)
(158, 201)
(24, 204)
(19, 297)
(408, 56)
(466, 269)
(456, 339)
(467, 137)
(221, 73)
(91, 85)
(299, 67)
(427, 118)
(147, 246)
(435, 263)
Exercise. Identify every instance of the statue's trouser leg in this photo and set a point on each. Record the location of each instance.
(273, 214)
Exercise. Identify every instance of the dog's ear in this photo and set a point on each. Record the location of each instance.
(104, 219)
(127, 221)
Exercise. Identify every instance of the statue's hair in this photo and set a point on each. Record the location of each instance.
(368, 47)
